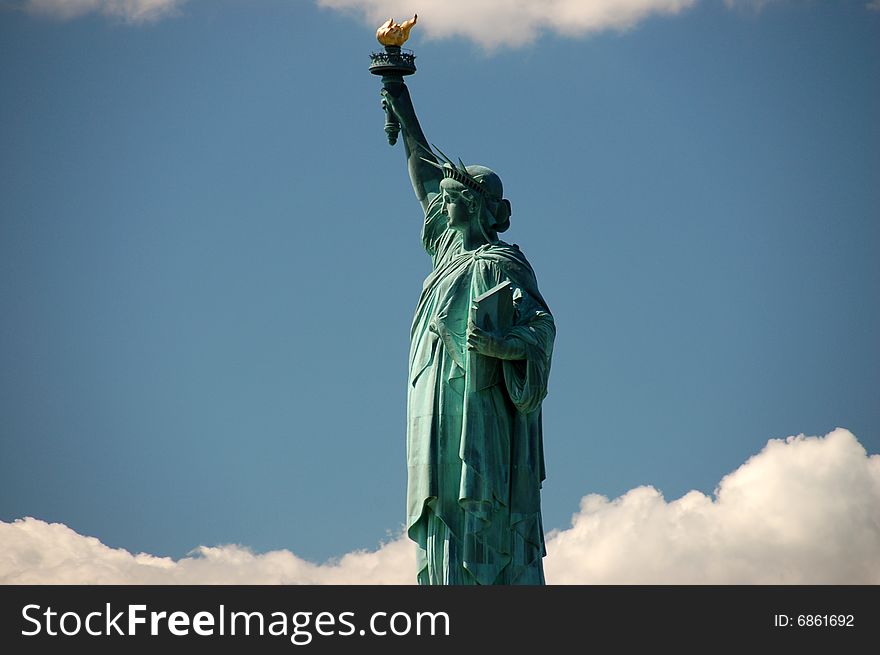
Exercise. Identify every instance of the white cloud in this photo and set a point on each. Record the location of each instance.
(130, 11)
(494, 23)
(805, 510)
(36, 552)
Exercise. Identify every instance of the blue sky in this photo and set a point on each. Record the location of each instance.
(210, 256)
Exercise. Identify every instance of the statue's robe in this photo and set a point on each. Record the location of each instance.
(475, 456)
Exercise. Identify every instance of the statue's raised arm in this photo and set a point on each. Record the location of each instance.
(425, 177)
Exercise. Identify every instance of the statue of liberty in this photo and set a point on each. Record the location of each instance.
(482, 338)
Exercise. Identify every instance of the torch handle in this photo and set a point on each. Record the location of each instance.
(392, 125)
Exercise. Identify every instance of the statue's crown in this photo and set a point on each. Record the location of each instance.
(459, 173)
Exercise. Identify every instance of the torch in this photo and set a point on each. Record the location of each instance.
(392, 64)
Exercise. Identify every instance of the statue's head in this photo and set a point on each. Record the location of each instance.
(481, 194)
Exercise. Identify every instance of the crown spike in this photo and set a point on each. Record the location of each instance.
(432, 162)
(446, 159)
(427, 149)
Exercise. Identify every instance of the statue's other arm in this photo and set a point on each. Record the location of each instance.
(425, 177)
(533, 329)
(501, 346)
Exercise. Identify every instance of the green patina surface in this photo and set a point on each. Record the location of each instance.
(482, 338)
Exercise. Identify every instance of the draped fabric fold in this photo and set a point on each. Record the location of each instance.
(475, 457)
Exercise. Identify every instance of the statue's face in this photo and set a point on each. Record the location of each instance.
(455, 208)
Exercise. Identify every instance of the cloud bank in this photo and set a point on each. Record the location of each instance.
(511, 23)
(36, 552)
(130, 11)
(805, 510)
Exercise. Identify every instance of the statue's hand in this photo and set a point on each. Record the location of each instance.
(388, 102)
(395, 97)
(492, 345)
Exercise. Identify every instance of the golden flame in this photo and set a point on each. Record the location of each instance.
(390, 33)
